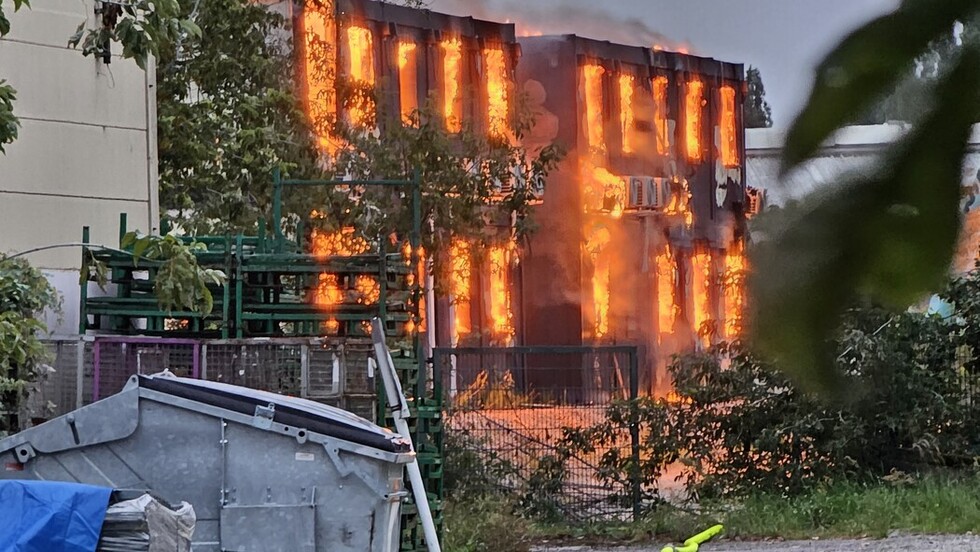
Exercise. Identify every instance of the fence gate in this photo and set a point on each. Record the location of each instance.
(513, 406)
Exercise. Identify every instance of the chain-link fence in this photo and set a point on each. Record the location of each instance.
(513, 407)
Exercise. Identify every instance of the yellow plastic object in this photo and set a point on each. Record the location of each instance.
(692, 544)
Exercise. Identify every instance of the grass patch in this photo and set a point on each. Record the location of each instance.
(931, 505)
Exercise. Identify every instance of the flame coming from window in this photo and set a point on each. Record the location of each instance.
(666, 301)
(680, 202)
(452, 101)
(701, 293)
(496, 73)
(660, 115)
(728, 131)
(461, 288)
(592, 75)
(734, 291)
(693, 106)
(360, 50)
(408, 93)
(500, 313)
(626, 115)
(319, 35)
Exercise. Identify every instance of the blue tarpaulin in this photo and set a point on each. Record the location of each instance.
(47, 516)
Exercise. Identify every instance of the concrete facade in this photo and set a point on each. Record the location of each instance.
(87, 145)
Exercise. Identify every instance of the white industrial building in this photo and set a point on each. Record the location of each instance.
(87, 145)
(855, 149)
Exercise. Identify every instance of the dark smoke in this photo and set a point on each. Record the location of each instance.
(543, 18)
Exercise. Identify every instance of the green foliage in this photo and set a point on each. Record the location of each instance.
(887, 238)
(142, 27)
(24, 294)
(180, 283)
(757, 112)
(8, 121)
(472, 470)
(931, 505)
(459, 173)
(748, 428)
(227, 117)
(484, 525)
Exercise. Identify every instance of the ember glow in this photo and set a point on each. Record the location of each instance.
(500, 313)
(497, 107)
(462, 262)
(408, 92)
(728, 130)
(693, 108)
(680, 202)
(660, 115)
(452, 101)
(666, 302)
(701, 293)
(592, 77)
(360, 44)
(329, 293)
(626, 115)
(734, 291)
(368, 289)
(319, 33)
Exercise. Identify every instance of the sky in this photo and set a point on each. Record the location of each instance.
(785, 39)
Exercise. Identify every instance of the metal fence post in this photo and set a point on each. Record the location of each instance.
(635, 432)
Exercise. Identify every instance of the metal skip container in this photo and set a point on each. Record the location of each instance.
(263, 472)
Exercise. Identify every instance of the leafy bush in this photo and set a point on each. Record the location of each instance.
(24, 294)
(747, 428)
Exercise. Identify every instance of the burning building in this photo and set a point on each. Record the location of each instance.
(640, 230)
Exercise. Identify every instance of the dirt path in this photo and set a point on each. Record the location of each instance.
(926, 543)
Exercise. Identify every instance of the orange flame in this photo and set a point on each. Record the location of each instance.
(729, 141)
(693, 103)
(666, 301)
(497, 110)
(360, 44)
(597, 246)
(319, 33)
(626, 115)
(592, 75)
(462, 274)
(660, 115)
(680, 202)
(452, 101)
(734, 291)
(408, 93)
(500, 312)
(701, 293)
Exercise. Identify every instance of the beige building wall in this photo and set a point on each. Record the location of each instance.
(87, 145)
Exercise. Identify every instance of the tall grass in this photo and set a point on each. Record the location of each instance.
(932, 505)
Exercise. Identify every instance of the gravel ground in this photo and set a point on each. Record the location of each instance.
(921, 543)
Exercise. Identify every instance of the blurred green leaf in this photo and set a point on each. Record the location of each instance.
(889, 237)
(864, 66)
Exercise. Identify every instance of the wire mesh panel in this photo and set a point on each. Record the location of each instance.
(517, 406)
(115, 359)
(265, 366)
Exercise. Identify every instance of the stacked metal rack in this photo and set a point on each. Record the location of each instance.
(272, 284)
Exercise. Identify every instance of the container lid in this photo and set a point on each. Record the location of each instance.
(290, 411)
